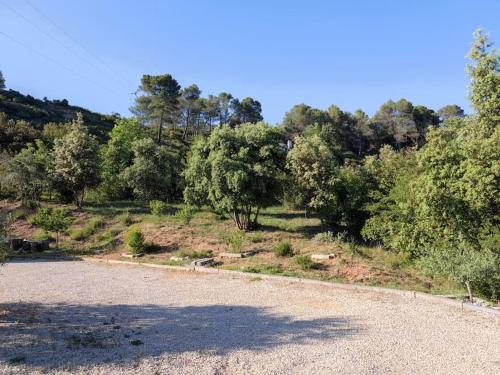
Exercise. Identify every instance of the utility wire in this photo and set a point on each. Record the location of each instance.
(80, 57)
(56, 62)
(60, 28)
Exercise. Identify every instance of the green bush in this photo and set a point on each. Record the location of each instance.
(51, 221)
(305, 262)
(283, 249)
(325, 237)
(235, 241)
(126, 219)
(41, 235)
(157, 207)
(135, 240)
(257, 237)
(88, 230)
(186, 214)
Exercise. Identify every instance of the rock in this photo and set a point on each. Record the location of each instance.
(203, 262)
(127, 255)
(322, 256)
(236, 255)
(231, 255)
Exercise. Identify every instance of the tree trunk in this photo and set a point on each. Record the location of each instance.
(469, 290)
(160, 126)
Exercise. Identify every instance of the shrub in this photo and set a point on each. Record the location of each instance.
(235, 241)
(257, 237)
(41, 235)
(186, 214)
(126, 219)
(283, 249)
(325, 237)
(157, 207)
(135, 240)
(88, 230)
(305, 262)
(51, 220)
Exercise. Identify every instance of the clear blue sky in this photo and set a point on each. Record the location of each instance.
(356, 54)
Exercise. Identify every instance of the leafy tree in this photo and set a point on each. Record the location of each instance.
(117, 155)
(27, 175)
(301, 116)
(76, 162)
(191, 108)
(237, 171)
(150, 174)
(16, 135)
(52, 220)
(159, 103)
(246, 111)
(450, 111)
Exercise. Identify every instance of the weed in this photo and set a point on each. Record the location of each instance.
(126, 219)
(305, 262)
(92, 226)
(283, 249)
(41, 235)
(186, 214)
(325, 237)
(235, 241)
(257, 237)
(256, 278)
(157, 207)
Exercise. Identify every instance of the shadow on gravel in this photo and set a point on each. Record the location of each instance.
(64, 336)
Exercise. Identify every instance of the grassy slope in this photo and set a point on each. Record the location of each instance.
(102, 227)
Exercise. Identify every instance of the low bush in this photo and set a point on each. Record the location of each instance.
(194, 254)
(283, 249)
(157, 207)
(185, 214)
(305, 262)
(92, 226)
(235, 241)
(257, 237)
(325, 237)
(135, 240)
(126, 219)
(41, 235)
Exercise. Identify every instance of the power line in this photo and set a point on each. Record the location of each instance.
(50, 36)
(48, 58)
(60, 28)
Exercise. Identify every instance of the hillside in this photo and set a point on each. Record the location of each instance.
(39, 112)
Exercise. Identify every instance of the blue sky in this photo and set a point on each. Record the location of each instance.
(355, 54)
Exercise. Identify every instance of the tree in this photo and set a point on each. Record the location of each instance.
(27, 176)
(52, 220)
(301, 116)
(16, 135)
(224, 107)
(150, 174)
(237, 171)
(246, 111)
(450, 111)
(117, 155)
(76, 162)
(335, 192)
(2, 81)
(190, 108)
(159, 103)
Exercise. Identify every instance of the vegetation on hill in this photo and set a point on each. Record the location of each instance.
(409, 184)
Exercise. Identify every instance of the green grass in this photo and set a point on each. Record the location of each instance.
(90, 228)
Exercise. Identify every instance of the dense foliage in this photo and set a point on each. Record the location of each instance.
(416, 181)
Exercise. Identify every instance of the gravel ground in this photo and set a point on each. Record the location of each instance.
(81, 317)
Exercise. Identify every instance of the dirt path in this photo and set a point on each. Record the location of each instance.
(72, 317)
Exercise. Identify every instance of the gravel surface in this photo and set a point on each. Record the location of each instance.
(81, 317)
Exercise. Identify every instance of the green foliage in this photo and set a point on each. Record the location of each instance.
(185, 214)
(26, 175)
(150, 174)
(237, 171)
(325, 237)
(126, 218)
(157, 207)
(335, 192)
(76, 162)
(40, 235)
(304, 262)
(135, 240)
(257, 237)
(117, 155)
(235, 241)
(283, 249)
(90, 228)
(51, 220)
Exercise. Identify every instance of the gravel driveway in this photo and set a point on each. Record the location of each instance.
(81, 317)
